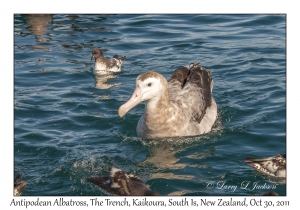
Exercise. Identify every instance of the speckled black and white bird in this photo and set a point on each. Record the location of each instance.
(273, 166)
(19, 185)
(181, 106)
(120, 183)
(106, 65)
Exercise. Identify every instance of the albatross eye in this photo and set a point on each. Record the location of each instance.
(149, 84)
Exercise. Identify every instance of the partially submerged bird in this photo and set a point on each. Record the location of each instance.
(19, 185)
(120, 183)
(273, 166)
(181, 106)
(270, 193)
(103, 65)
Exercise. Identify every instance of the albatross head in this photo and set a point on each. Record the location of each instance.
(149, 87)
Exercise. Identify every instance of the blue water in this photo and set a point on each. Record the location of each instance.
(66, 123)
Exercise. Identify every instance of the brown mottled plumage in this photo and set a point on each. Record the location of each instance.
(103, 65)
(273, 166)
(120, 183)
(180, 75)
(19, 185)
(181, 106)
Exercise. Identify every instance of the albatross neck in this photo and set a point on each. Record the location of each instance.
(158, 105)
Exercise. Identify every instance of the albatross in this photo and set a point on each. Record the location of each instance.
(106, 65)
(273, 166)
(120, 183)
(181, 106)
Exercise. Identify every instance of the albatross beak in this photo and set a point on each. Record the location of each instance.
(92, 57)
(135, 99)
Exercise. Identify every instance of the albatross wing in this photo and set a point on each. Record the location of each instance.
(192, 88)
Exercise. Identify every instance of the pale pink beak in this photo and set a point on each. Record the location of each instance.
(135, 99)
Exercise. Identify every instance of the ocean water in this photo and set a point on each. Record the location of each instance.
(66, 123)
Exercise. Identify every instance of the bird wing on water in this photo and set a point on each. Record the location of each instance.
(17, 179)
(108, 184)
(19, 185)
(269, 165)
